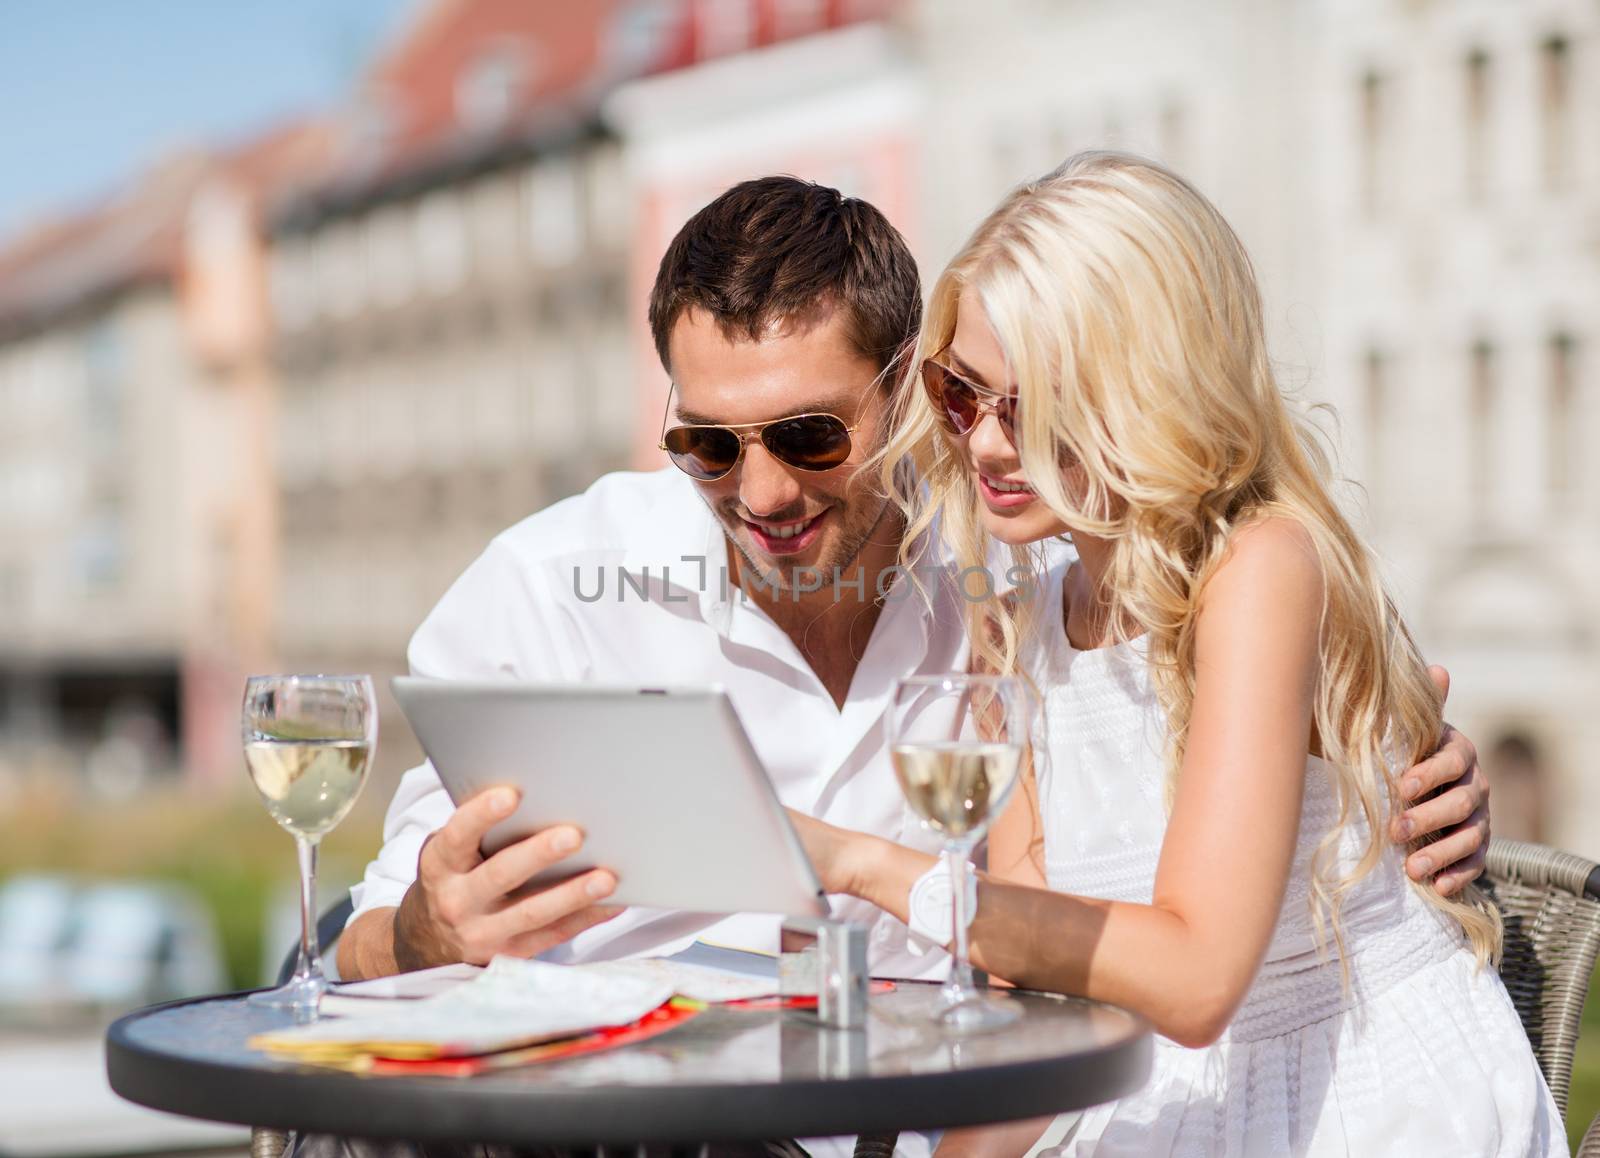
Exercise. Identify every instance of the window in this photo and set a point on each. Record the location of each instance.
(1566, 419)
(555, 215)
(390, 257)
(1555, 107)
(103, 369)
(1375, 387)
(609, 201)
(293, 305)
(491, 85)
(341, 268)
(640, 35)
(1482, 407)
(441, 241)
(1374, 98)
(12, 589)
(1477, 137)
(99, 551)
(1517, 775)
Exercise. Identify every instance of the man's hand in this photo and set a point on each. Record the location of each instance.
(1459, 814)
(459, 908)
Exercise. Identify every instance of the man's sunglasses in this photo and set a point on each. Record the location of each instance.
(804, 441)
(959, 404)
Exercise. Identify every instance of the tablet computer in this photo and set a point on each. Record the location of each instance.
(663, 782)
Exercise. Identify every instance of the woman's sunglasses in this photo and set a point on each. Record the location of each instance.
(804, 441)
(959, 404)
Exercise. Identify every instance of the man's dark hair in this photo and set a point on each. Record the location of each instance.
(781, 250)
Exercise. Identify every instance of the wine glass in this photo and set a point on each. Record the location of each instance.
(957, 743)
(307, 742)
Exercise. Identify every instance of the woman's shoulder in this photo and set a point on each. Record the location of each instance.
(1274, 555)
(1266, 597)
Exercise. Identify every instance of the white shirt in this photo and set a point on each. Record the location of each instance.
(546, 602)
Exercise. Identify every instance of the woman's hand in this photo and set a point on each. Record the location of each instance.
(838, 854)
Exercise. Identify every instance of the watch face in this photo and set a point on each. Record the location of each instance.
(930, 907)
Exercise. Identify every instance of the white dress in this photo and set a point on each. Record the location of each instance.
(1424, 1056)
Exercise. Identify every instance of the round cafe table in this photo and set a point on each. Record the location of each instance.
(727, 1075)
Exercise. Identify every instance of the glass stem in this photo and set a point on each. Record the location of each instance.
(310, 962)
(959, 987)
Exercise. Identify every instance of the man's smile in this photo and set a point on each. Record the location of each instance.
(785, 538)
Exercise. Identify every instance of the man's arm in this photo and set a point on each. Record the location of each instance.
(1448, 798)
(459, 907)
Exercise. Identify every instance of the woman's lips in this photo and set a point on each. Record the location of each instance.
(792, 545)
(1003, 500)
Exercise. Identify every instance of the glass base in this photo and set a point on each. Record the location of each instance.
(979, 1013)
(300, 996)
(925, 1006)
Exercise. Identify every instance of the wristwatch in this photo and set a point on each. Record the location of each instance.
(930, 915)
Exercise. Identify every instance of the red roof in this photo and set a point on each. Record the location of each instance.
(464, 80)
(546, 52)
(470, 78)
(137, 235)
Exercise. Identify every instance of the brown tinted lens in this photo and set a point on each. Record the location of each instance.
(808, 442)
(953, 400)
(702, 452)
(1006, 412)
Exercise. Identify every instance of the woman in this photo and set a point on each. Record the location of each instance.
(1227, 692)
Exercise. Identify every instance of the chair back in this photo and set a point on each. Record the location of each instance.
(329, 926)
(1550, 901)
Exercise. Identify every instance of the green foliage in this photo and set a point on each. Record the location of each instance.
(1584, 1101)
(225, 847)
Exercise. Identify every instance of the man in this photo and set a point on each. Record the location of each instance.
(779, 299)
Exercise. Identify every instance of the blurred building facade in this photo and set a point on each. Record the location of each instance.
(1456, 209)
(136, 540)
(1419, 184)
(455, 334)
(460, 302)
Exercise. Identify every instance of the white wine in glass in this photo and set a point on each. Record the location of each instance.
(957, 743)
(307, 742)
(308, 785)
(957, 788)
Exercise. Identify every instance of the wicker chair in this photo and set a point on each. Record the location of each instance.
(1550, 901)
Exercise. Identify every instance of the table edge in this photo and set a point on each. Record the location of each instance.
(806, 1107)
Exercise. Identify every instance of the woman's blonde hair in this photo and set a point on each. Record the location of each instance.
(1132, 325)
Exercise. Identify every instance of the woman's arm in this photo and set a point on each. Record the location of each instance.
(1186, 960)
(1016, 838)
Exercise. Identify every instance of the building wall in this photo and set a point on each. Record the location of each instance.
(93, 559)
(101, 563)
(1459, 172)
(448, 363)
(135, 514)
(1417, 182)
